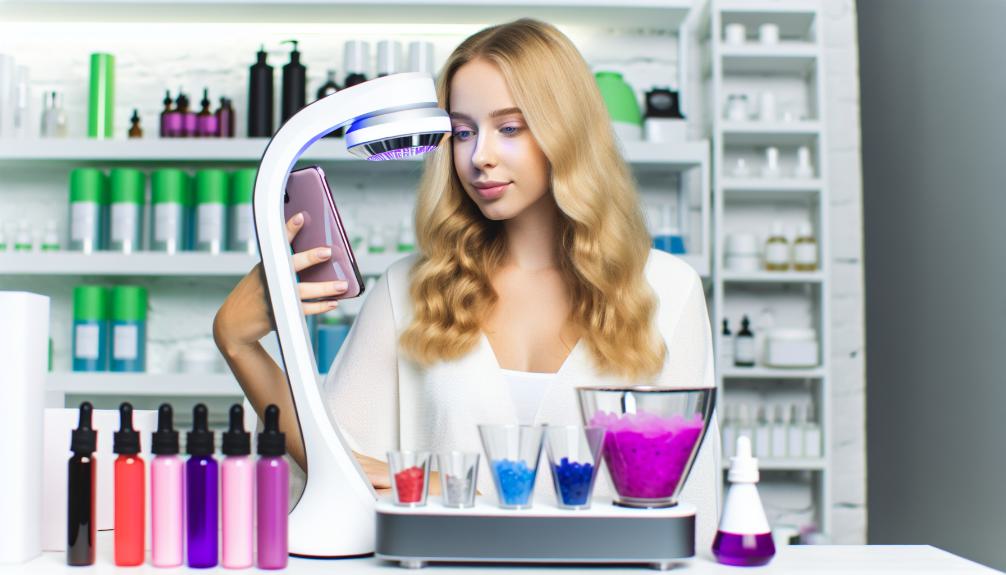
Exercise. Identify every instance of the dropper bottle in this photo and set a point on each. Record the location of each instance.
(129, 491)
(167, 483)
(81, 484)
(206, 121)
(272, 476)
(201, 487)
(238, 493)
(744, 538)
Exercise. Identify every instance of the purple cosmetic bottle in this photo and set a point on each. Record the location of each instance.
(744, 538)
(272, 476)
(201, 493)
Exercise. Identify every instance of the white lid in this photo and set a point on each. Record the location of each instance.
(742, 244)
(356, 58)
(805, 230)
(793, 334)
(743, 467)
(389, 57)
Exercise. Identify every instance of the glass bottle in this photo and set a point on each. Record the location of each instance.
(805, 250)
(777, 250)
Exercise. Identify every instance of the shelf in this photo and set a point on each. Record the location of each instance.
(773, 277)
(674, 155)
(772, 373)
(667, 14)
(784, 59)
(809, 464)
(144, 384)
(186, 264)
(801, 133)
(771, 189)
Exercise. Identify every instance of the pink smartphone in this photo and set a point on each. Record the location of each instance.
(307, 191)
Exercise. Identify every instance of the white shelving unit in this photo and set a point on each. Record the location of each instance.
(795, 66)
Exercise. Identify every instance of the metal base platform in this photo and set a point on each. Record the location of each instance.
(604, 534)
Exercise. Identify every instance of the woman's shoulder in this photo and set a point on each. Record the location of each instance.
(669, 275)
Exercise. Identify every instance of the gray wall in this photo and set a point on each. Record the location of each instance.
(933, 81)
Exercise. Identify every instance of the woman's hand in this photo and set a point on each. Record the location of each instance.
(246, 315)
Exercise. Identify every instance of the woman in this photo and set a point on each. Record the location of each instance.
(533, 275)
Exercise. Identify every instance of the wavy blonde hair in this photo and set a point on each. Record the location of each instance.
(604, 240)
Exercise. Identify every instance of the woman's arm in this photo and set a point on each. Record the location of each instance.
(246, 317)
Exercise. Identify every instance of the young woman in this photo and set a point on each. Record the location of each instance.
(534, 275)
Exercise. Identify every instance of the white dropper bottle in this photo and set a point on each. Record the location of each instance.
(744, 537)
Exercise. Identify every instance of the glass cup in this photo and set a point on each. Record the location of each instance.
(574, 455)
(513, 452)
(410, 473)
(458, 475)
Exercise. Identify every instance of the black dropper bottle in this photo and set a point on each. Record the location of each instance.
(81, 485)
(135, 130)
(164, 441)
(744, 344)
(126, 441)
(294, 84)
(260, 98)
(237, 441)
(271, 441)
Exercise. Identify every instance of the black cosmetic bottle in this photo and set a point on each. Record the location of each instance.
(81, 484)
(294, 84)
(260, 98)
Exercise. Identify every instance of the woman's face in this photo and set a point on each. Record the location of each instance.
(496, 158)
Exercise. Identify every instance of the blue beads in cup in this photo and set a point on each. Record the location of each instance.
(513, 452)
(574, 456)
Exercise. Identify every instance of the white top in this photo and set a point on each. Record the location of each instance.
(527, 388)
(381, 400)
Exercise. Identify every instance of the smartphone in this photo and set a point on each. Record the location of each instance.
(307, 191)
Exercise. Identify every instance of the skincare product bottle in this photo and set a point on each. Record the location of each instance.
(22, 239)
(294, 84)
(272, 476)
(332, 329)
(743, 421)
(744, 345)
(260, 98)
(88, 196)
(389, 57)
(741, 169)
(90, 328)
(188, 116)
(356, 62)
(169, 197)
(170, 120)
(101, 97)
(421, 58)
(726, 346)
(81, 484)
(375, 240)
(329, 87)
(167, 485)
(135, 130)
(50, 241)
(805, 250)
(668, 237)
(780, 429)
(771, 167)
(130, 491)
(406, 236)
(53, 117)
(129, 328)
(762, 434)
(206, 120)
(211, 210)
(743, 537)
(201, 487)
(729, 430)
(795, 439)
(225, 119)
(237, 489)
(812, 434)
(804, 169)
(129, 191)
(242, 223)
(777, 250)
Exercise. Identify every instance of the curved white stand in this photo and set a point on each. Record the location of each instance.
(335, 517)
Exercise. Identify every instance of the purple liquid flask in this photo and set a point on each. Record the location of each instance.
(272, 477)
(201, 493)
(744, 538)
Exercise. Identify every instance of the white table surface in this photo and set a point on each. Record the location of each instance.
(858, 559)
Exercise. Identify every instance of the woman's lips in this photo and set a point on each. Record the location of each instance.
(491, 193)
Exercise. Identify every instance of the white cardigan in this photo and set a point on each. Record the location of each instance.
(382, 400)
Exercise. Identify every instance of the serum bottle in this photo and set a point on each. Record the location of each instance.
(238, 493)
(130, 493)
(744, 538)
(81, 484)
(201, 486)
(272, 476)
(167, 485)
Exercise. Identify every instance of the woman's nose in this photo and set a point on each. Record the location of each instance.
(485, 152)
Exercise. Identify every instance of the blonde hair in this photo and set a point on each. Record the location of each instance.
(604, 241)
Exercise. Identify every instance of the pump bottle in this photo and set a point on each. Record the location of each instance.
(260, 98)
(744, 538)
(294, 84)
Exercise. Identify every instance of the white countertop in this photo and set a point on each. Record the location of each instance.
(798, 560)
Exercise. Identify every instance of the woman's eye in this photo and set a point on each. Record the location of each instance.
(510, 130)
(462, 134)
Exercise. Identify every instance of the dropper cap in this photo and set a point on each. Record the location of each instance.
(164, 441)
(126, 441)
(237, 441)
(743, 467)
(84, 439)
(199, 441)
(167, 98)
(206, 98)
(272, 441)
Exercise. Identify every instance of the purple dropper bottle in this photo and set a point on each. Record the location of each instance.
(201, 488)
(272, 477)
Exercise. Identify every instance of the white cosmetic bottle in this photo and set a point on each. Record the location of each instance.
(744, 537)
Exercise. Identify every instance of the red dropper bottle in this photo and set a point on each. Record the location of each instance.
(129, 491)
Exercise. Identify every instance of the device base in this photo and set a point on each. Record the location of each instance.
(605, 534)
